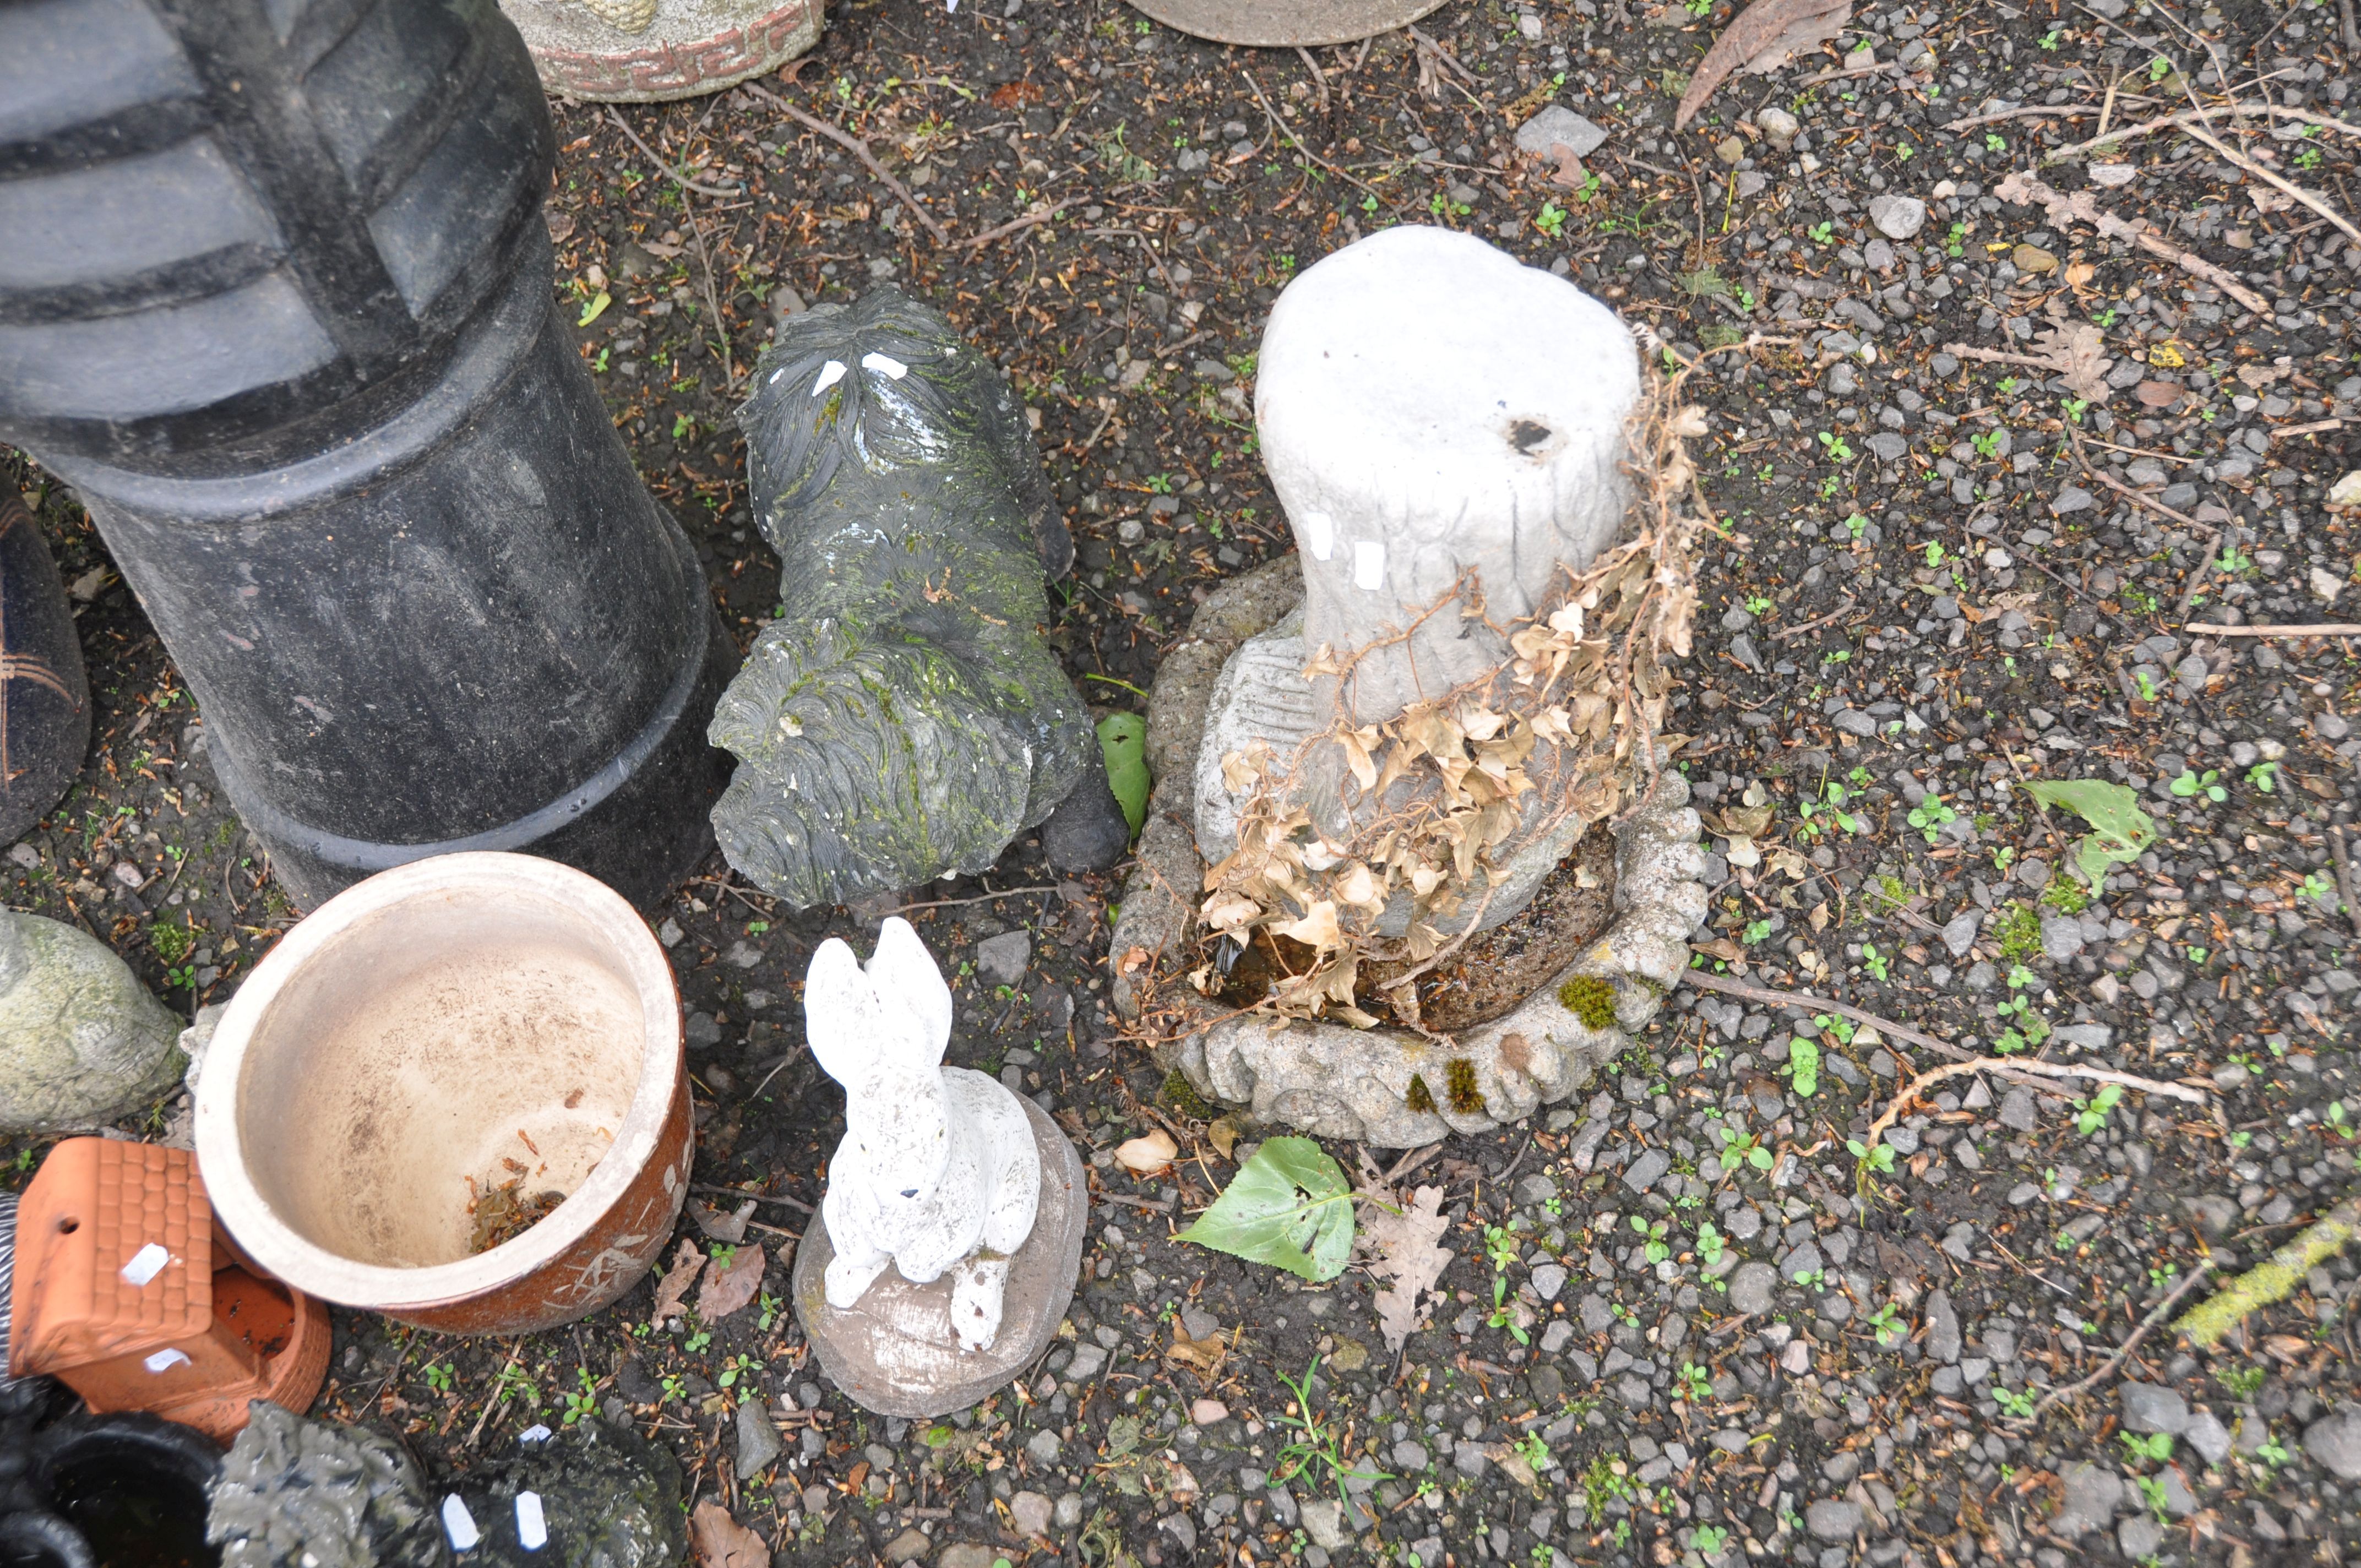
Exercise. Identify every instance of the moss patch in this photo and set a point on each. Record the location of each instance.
(1883, 895)
(1459, 1076)
(2066, 896)
(1590, 998)
(1419, 1098)
(1181, 1095)
(2020, 931)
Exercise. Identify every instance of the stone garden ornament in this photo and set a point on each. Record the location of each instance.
(950, 1230)
(82, 1041)
(1491, 513)
(1286, 24)
(638, 51)
(901, 719)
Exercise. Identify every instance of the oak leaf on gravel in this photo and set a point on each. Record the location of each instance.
(723, 1542)
(673, 1292)
(1408, 1258)
(1761, 40)
(1200, 1355)
(729, 1287)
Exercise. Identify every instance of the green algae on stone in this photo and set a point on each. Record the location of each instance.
(1590, 998)
(901, 719)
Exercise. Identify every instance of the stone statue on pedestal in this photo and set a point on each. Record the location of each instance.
(1437, 419)
(901, 719)
(953, 1226)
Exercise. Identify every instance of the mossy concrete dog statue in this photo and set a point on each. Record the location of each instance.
(901, 719)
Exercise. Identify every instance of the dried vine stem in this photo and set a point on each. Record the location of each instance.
(2123, 1350)
(1564, 728)
(1704, 981)
(2025, 1068)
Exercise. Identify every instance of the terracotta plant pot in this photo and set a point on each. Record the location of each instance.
(444, 1030)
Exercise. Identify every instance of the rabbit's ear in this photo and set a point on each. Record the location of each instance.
(906, 977)
(844, 1021)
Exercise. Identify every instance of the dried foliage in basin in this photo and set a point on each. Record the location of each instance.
(1438, 796)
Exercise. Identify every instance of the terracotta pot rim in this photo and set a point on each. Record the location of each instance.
(299, 1262)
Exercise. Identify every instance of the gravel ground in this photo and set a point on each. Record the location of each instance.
(1943, 576)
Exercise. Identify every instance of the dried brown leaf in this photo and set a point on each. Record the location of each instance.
(721, 1542)
(1317, 928)
(686, 1265)
(1147, 1154)
(2072, 350)
(729, 1287)
(1408, 1258)
(729, 1228)
(1200, 1355)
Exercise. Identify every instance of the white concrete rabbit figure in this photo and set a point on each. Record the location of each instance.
(937, 1168)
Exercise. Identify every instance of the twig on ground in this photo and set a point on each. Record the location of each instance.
(860, 149)
(1092, 439)
(2274, 1278)
(2344, 876)
(2311, 629)
(979, 241)
(1280, 122)
(2034, 110)
(1147, 244)
(2069, 584)
(2030, 1272)
(713, 300)
(2123, 1350)
(1409, 1163)
(1445, 55)
(1160, 1205)
(2023, 1067)
(796, 1203)
(1705, 980)
(777, 1068)
(2317, 427)
(2308, 198)
(2024, 187)
(500, 1392)
(1318, 75)
(2108, 139)
(2199, 574)
(1840, 610)
(675, 175)
(979, 898)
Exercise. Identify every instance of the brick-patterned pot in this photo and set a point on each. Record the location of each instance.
(449, 1027)
(641, 52)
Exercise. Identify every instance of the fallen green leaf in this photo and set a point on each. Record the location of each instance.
(1290, 1206)
(1123, 738)
(598, 305)
(2120, 830)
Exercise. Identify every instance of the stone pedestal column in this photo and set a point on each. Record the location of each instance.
(1429, 407)
(1436, 418)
